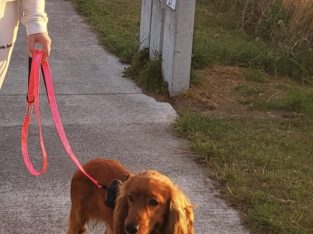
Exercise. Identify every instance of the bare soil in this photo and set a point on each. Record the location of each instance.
(216, 94)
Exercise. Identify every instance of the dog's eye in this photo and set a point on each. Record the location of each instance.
(153, 202)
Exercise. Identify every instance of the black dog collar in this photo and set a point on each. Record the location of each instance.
(112, 192)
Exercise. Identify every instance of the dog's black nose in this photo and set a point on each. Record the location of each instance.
(132, 228)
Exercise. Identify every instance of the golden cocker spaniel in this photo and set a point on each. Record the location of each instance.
(147, 203)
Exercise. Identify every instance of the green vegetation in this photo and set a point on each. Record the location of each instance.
(142, 68)
(257, 34)
(299, 101)
(265, 165)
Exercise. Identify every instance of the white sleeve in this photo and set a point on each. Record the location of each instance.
(34, 17)
(2, 7)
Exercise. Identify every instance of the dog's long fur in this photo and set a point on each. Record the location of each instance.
(148, 200)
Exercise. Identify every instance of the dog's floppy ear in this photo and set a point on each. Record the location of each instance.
(121, 210)
(180, 216)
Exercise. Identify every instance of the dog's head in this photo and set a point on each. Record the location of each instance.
(149, 203)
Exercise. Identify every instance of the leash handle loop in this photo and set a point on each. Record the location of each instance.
(33, 101)
(37, 56)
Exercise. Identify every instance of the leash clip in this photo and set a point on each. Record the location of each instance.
(30, 99)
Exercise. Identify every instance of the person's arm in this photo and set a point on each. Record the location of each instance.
(35, 20)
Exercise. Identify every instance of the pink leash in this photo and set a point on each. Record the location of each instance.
(33, 100)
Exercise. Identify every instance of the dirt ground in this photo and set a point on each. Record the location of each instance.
(217, 93)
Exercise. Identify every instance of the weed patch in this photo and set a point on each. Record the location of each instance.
(295, 100)
(147, 74)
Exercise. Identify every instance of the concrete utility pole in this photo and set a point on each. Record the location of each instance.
(157, 26)
(177, 44)
(171, 36)
(145, 24)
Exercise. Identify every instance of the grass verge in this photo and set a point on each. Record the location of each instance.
(265, 167)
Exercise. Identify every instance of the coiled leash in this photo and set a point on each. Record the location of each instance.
(37, 64)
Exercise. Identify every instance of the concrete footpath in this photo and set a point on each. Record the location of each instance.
(104, 114)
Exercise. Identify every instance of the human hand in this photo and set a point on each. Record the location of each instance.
(40, 38)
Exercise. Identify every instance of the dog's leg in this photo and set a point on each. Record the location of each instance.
(77, 222)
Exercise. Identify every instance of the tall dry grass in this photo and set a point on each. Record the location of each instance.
(301, 18)
(273, 19)
(284, 26)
